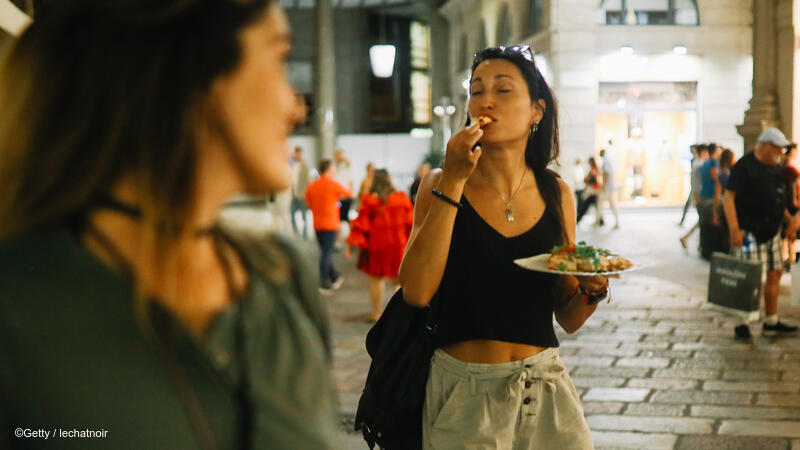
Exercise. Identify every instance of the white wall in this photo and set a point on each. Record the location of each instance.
(401, 154)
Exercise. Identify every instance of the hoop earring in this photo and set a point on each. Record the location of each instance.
(534, 128)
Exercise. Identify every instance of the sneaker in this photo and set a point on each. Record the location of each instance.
(779, 329)
(326, 291)
(742, 332)
(337, 283)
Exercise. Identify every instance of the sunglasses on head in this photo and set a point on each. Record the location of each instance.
(523, 50)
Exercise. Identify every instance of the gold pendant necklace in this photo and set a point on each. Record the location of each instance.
(509, 212)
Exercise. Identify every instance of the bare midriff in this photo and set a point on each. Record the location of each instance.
(491, 352)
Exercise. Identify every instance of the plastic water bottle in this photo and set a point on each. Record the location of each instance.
(747, 244)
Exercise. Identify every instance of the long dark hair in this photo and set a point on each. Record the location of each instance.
(543, 147)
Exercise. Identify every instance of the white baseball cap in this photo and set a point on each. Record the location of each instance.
(774, 137)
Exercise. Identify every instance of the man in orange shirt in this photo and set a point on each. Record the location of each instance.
(323, 197)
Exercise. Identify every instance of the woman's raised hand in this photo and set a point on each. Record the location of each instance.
(460, 160)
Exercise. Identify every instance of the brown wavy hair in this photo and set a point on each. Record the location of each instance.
(95, 90)
(382, 184)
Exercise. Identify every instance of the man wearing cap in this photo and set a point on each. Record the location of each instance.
(756, 203)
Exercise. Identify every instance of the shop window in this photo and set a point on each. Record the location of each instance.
(482, 42)
(505, 33)
(535, 16)
(648, 12)
(420, 98)
(420, 80)
(463, 54)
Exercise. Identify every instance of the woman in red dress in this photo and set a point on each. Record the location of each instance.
(381, 230)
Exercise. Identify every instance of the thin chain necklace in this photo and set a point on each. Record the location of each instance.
(509, 212)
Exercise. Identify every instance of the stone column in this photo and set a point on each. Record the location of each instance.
(763, 110)
(324, 80)
(439, 63)
(786, 67)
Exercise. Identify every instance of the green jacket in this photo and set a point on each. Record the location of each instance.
(73, 360)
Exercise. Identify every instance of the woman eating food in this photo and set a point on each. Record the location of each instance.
(496, 379)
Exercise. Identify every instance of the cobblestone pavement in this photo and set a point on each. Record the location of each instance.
(656, 367)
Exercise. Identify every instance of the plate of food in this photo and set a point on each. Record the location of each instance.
(578, 259)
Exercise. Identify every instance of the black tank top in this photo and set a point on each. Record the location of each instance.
(484, 295)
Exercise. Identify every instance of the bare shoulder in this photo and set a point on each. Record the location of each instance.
(566, 191)
(564, 186)
(432, 179)
(424, 195)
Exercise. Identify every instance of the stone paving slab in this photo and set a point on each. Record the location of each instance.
(655, 409)
(680, 425)
(790, 429)
(715, 442)
(745, 412)
(617, 394)
(750, 386)
(631, 440)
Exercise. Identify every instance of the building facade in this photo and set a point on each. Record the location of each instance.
(642, 79)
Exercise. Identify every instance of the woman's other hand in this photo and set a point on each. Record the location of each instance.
(595, 283)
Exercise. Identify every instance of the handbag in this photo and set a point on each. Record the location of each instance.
(401, 346)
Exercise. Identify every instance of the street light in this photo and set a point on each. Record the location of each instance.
(381, 58)
(444, 110)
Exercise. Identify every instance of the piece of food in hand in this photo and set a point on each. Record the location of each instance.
(585, 258)
(484, 120)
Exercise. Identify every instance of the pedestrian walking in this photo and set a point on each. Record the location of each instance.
(756, 203)
(301, 178)
(496, 379)
(381, 231)
(696, 186)
(575, 179)
(690, 198)
(608, 189)
(343, 174)
(791, 173)
(127, 311)
(323, 196)
(366, 183)
(593, 181)
(712, 238)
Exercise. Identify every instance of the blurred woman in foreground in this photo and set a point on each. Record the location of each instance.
(124, 307)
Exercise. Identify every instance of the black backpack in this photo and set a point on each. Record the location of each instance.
(401, 346)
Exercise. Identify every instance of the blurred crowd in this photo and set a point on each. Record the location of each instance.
(376, 219)
(595, 186)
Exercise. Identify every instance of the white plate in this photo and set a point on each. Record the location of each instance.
(538, 263)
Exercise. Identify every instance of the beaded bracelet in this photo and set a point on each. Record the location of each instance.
(447, 199)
